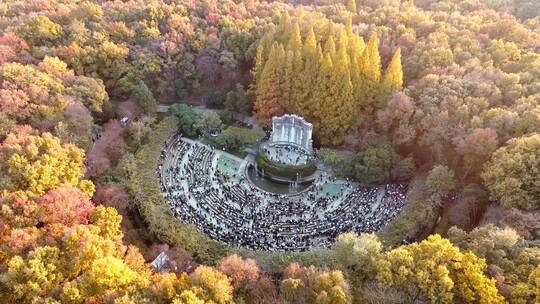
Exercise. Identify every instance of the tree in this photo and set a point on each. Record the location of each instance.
(438, 270)
(29, 95)
(209, 122)
(138, 130)
(67, 206)
(142, 94)
(38, 163)
(396, 119)
(380, 163)
(214, 285)
(13, 48)
(333, 158)
(187, 118)
(393, 77)
(268, 101)
(528, 292)
(106, 274)
(237, 100)
(106, 60)
(76, 128)
(238, 270)
(248, 283)
(234, 138)
(89, 91)
(476, 148)
(321, 93)
(439, 182)
(40, 30)
(306, 81)
(308, 285)
(351, 5)
(38, 275)
(511, 260)
(180, 88)
(336, 112)
(370, 71)
(74, 263)
(512, 173)
(113, 196)
(359, 256)
(216, 99)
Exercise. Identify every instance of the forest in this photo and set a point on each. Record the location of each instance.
(443, 95)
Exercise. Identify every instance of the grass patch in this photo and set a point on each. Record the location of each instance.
(227, 166)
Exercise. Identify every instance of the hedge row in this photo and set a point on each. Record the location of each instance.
(283, 170)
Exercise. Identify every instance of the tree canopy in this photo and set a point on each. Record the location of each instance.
(513, 174)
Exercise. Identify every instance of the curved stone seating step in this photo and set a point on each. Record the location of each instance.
(234, 211)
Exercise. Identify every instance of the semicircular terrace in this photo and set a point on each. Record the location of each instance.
(207, 188)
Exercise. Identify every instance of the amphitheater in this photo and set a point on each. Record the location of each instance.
(209, 189)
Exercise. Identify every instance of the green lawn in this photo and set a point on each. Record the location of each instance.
(331, 189)
(227, 166)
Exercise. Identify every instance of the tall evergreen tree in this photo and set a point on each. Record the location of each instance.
(293, 69)
(338, 110)
(325, 87)
(393, 77)
(298, 94)
(311, 41)
(356, 48)
(285, 27)
(268, 102)
(330, 47)
(351, 5)
(343, 44)
(370, 71)
(321, 92)
(287, 82)
(295, 40)
(308, 79)
(374, 58)
(348, 26)
(259, 64)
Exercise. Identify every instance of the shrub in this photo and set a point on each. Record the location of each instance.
(215, 99)
(283, 170)
(180, 88)
(144, 97)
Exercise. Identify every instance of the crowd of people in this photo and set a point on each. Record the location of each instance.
(286, 154)
(229, 208)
